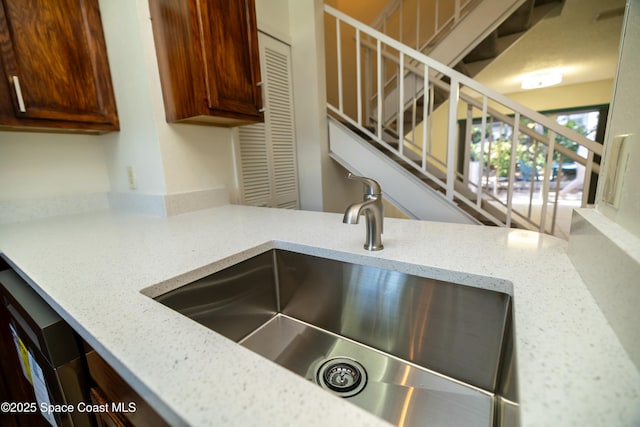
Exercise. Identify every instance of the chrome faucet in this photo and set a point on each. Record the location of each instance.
(372, 208)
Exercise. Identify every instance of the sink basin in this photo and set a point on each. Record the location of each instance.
(411, 350)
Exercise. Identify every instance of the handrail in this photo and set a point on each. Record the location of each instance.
(376, 54)
(384, 15)
(465, 80)
(440, 29)
(569, 133)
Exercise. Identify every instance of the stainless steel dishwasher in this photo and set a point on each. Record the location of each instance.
(44, 366)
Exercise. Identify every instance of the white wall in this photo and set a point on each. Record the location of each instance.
(37, 165)
(136, 144)
(273, 18)
(624, 119)
(604, 244)
(309, 97)
(167, 158)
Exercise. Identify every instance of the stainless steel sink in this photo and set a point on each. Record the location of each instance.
(411, 350)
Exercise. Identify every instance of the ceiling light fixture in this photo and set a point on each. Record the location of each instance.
(540, 80)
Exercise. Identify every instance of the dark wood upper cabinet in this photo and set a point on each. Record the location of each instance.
(55, 71)
(209, 60)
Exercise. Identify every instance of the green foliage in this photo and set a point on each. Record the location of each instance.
(528, 151)
(496, 152)
(565, 142)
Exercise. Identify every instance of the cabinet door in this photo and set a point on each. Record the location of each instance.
(267, 151)
(55, 66)
(126, 406)
(230, 51)
(208, 60)
(107, 418)
(18, 388)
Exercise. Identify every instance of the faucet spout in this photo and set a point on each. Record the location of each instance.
(372, 209)
(353, 211)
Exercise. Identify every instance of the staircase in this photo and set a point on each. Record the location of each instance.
(412, 194)
(463, 34)
(467, 37)
(506, 34)
(470, 149)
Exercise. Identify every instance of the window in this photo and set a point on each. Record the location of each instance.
(531, 153)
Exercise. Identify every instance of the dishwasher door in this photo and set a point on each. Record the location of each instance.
(46, 360)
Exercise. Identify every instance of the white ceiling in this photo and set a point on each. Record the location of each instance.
(585, 49)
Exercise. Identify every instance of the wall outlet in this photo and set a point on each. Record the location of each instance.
(133, 185)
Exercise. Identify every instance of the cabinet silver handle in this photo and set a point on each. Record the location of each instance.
(261, 86)
(16, 85)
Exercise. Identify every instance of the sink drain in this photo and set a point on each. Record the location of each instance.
(343, 376)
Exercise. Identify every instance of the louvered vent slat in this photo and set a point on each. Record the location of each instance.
(267, 150)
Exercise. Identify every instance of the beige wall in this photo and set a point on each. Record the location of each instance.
(273, 18)
(570, 96)
(136, 144)
(369, 11)
(323, 184)
(37, 165)
(391, 211)
(364, 12)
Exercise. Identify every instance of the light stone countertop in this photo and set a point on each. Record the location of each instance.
(572, 370)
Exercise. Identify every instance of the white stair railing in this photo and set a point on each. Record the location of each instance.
(421, 24)
(447, 121)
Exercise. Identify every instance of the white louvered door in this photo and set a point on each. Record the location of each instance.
(267, 151)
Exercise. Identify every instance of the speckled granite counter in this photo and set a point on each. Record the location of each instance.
(572, 370)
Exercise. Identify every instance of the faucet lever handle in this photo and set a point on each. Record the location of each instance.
(371, 187)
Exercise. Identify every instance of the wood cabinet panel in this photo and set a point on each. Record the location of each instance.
(107, 418)
(111, 388)
(16, 387)
(55, 67)
(208, 60)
